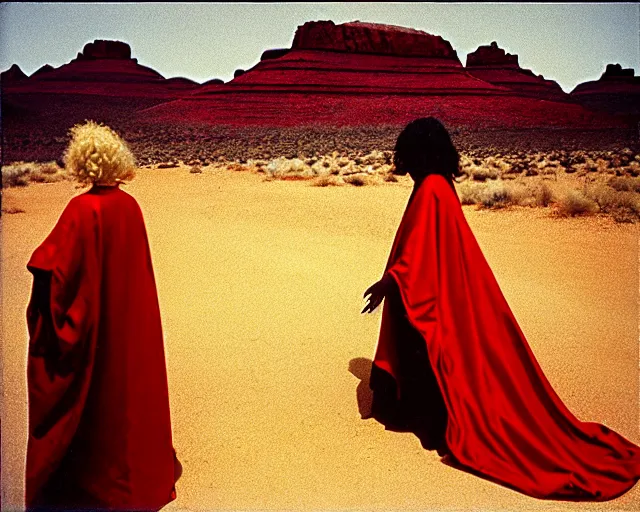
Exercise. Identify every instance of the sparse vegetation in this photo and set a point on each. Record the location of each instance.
(572, 202)
(577, 182)
(625, 184)
(330, 180)
(358, 180)
(20, 174)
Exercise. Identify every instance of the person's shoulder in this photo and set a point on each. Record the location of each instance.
(129, 200)
(441, 188)
(438, 184)
(80, 203)
(437, 181)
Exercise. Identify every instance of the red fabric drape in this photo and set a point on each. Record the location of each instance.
(504, 419)
(99, 419)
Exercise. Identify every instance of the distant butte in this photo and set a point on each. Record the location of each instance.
(617, 92)
(101, 49)
(351, 74)
(371, 74)
(104, 68)
(13, 74)
(372, 38)
(103, 83)
(494, 65)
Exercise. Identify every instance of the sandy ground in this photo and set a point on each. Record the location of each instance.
(260, 287)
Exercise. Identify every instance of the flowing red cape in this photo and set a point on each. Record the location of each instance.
(99, 419)
(504, 421)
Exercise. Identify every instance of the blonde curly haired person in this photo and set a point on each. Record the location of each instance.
(98, 155)
(99, 418)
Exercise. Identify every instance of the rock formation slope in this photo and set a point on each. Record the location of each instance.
(362, 73)
(617, 91)
(492, 64)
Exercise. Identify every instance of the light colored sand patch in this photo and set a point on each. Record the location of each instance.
(260, 287)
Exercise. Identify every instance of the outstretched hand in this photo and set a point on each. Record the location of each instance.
(376, 292)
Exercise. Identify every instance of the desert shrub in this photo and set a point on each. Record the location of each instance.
(497, 164)
(634, 167)
(48, 172)
(358, 180)
(518, 194)
(546, 167)
(572, 202)
(469, 192)
(621, 183)
(494, 195)
(623, 206)
(288, 169)
(480, 173)
(49, 168)
(390, 177)
(235, 166)
(542, 194)
(20, 174)
(16, 175)
(195, 169)
(328, 180)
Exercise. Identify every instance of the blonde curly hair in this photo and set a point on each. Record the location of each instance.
(97, 155)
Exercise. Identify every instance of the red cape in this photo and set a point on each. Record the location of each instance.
(99, 419)
(504, 419)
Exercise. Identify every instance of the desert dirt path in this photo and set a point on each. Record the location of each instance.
(260, 287)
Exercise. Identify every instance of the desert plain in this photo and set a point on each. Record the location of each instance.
(260, 285)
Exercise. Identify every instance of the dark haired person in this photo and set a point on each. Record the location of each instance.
(99, 418)
(453, 365)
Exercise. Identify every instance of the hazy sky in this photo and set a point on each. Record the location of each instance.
(569, 43)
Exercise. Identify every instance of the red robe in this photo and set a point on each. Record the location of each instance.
(99, 419)
(504, 420)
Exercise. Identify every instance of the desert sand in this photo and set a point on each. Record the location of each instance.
(260, 287)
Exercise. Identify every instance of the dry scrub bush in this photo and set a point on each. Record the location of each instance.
(469, 192)
(97, 154)
(634, 167)
(495, 195)
(19, 174)
(329, 180)
(195, 169)
(235, 166)
(572, 202)
(623, 206)
(625, 184)
(542, 194)
(498, 165)
(359, 180)
(499, 194)
(285, 169)
(16, 175)
(479, 173)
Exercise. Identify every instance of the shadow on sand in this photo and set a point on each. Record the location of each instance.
(422, 412)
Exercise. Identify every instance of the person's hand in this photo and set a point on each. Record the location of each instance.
(377, 292)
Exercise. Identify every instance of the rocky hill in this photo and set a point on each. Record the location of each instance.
(369, 74)
(617, 92)
(492, 64)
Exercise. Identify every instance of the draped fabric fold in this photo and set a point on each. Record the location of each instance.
(504, 420)
(99, 419)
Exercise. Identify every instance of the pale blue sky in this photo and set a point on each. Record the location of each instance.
(569, 43)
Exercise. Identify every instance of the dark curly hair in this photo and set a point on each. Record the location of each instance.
(424, 147)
